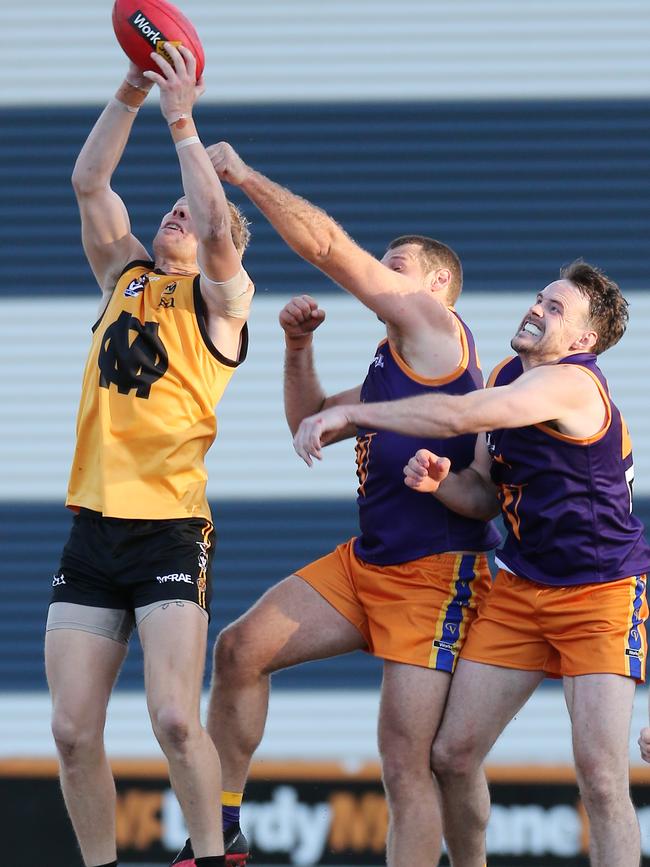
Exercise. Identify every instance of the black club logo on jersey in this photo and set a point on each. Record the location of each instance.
(132, 363)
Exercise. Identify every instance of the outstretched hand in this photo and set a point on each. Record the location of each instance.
(425, 471)
(179, 89)
(227, 163)
(299, 318)
(308, 441)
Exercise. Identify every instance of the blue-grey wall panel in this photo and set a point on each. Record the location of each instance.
(258, 543)
(518, 188)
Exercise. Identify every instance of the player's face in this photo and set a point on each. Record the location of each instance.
(406, 260)
(176, 229)
(553, 325)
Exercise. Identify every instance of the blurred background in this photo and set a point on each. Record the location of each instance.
(517, 133)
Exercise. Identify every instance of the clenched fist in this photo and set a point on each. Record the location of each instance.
(644, 743)
(425, 471)
(227, 163)
(299, 318)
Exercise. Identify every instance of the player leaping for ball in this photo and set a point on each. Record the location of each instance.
(171, 333)
(407, 588)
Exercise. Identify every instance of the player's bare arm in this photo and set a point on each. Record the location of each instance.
(303, 392)
(561, 395)
(470, 492)
(105, 227)
(226, 289)
(314, 235)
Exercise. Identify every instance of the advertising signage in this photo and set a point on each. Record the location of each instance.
(303, 814)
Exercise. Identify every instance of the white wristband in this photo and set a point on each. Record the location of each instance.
(124, 106)
(186, 142)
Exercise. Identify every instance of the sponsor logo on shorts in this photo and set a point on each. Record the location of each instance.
(445, 645)
(58, 580)
(637, 654)
(175, 576)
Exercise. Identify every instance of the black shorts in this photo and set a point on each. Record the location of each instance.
(128, 564)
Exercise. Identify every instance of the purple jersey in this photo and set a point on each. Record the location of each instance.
(397, 523)
(567, 502)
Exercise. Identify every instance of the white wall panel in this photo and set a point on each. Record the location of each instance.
(348, 50)
(42, 350)
(311, 725)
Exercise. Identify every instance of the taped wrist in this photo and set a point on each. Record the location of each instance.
(131, 94)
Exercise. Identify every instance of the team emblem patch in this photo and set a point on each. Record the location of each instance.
(165, 300)
(135, 287)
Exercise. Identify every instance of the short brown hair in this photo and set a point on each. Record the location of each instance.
(435, 254)
(608, 311)
(239, 230)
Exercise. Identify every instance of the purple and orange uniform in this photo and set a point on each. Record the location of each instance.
(412, 580)
(570, 594)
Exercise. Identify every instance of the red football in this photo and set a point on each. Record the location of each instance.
(143, 26)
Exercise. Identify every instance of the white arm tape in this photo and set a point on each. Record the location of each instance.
(186, 142)
(235, 292)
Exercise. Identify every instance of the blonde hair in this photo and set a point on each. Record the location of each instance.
(239, 228)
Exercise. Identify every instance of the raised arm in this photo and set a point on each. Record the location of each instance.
(469, 492)
(226, 289)
(105, 226)
(550, 393)
(303, 393)
(320, 240)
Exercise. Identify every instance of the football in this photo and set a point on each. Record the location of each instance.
(143, 26)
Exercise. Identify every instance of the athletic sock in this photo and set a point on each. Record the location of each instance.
(210, 861)
(230, 808)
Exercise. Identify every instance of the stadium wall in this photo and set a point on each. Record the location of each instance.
(518, 133)
(350, 50)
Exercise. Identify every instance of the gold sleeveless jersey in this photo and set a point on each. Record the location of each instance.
(147, 412)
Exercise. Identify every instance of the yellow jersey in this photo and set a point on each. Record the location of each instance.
(147, 413)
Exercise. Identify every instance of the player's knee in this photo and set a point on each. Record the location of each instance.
(399, 770)
(227, 656)
(74, 738)
(237, 655)
(453, 758)
(173, 726)
(602, 789)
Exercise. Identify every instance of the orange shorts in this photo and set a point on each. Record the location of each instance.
(416, 612)
(586, 629)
